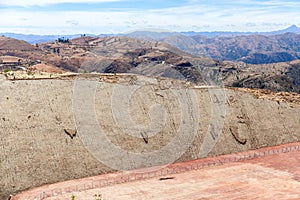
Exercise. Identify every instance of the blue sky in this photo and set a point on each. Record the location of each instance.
(117, 16)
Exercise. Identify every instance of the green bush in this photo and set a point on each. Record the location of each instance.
(6, 70)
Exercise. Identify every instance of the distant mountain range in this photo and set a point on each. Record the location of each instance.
(291, 29)
(253, 49)
(33, 39)
(248, 47)
(36, 39)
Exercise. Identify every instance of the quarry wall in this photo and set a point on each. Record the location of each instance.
(72, 127)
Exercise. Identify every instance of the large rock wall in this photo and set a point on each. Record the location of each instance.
(141, 122)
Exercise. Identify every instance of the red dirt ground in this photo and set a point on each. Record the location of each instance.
(267, 173)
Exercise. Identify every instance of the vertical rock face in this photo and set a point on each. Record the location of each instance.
(59, 129)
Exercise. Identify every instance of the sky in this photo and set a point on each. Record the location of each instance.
(122, 16)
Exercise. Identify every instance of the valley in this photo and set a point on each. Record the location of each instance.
(121, 54)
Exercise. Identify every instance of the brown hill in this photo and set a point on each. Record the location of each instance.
(46, 68)
(151, 58)
(28, 54)
(254, 49)
(275, 77)
(10, 44)
(122, 55)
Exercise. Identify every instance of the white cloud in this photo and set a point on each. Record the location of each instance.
(234, 15)
(72, 22)
(28, 3)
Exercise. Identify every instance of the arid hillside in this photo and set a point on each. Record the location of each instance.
(252, 49)
(10, 44)
(150, 58)
(81, 125)
(116, 55)
(276, 77)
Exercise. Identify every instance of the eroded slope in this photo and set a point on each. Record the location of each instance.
(36, 149)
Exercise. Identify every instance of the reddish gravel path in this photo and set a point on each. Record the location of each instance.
(267, 173)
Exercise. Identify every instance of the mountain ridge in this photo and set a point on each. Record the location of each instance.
(35, 38)
(121, 54)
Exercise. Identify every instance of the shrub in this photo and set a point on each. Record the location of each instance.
(6, 70)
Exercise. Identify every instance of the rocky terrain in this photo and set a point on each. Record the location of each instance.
(275, 77)
(249, 47)
(152, 58)
(48, 133)
(253, 49)
(189, 104)
(114, 55)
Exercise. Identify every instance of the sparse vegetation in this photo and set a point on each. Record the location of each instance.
(98, 196)
(63, 40)
(123, 55)
(30, 73)
(6, 70)
(254, 49)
